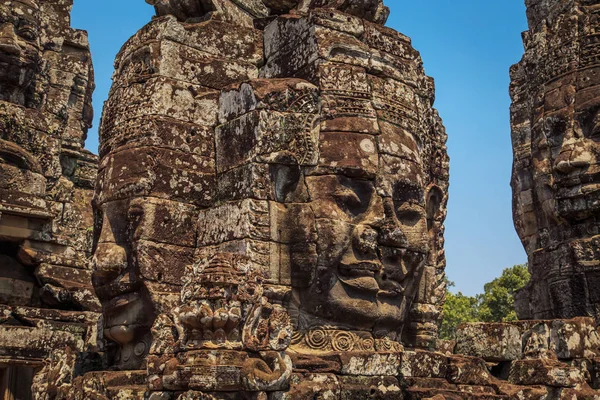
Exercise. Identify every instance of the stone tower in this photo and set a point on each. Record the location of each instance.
(269, 217)
(46, 185)
(271, 196)
(555, 132)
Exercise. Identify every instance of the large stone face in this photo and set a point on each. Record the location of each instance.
(268, 222)
(157, 168)
(374, 192)
(556, 99)
(46, 187)
(271, 196)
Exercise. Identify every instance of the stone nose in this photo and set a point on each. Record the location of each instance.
(108, 264)
(393, 236)
(383, 231)
(365, 240)
(8, 39)
(391, 233)
(574, 159)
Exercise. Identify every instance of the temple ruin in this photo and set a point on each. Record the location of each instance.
(556, 98)
(265, 219)
(46, 186)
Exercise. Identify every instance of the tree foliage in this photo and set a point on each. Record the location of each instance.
(458, 309)
(496, 304)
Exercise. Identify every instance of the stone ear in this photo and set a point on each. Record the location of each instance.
(435, 196)
(285, 180)
(285, 176)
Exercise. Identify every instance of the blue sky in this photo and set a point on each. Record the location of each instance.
(468, 47)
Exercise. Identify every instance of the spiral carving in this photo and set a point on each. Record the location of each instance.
(343, 341)
(297, 337)
(387, 345)
(384, 345)
(317, 339)
(367, 344)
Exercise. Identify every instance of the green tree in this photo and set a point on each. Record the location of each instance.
(497, 303)
(458, 309)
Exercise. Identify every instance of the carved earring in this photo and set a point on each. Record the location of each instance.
(285, 175)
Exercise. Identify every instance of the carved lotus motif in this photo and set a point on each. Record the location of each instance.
(343, 341)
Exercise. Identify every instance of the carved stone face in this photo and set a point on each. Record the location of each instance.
(20, 58)
(127, 310)
(565, 149)
(20, 51)
(556, 175)
(118, 284)
(574, 141)
(371, 241)
(566, 193)
(143, 244)
(556, 97)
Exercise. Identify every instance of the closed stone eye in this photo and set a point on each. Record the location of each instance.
(408, 214)
(135, 212)
(27, 33)
(347, 198)
(353, 197)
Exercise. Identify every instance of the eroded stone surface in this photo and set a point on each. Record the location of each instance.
(492, 342)
(555, 104)
(269, 224)
(46, 181)
(271, 196)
